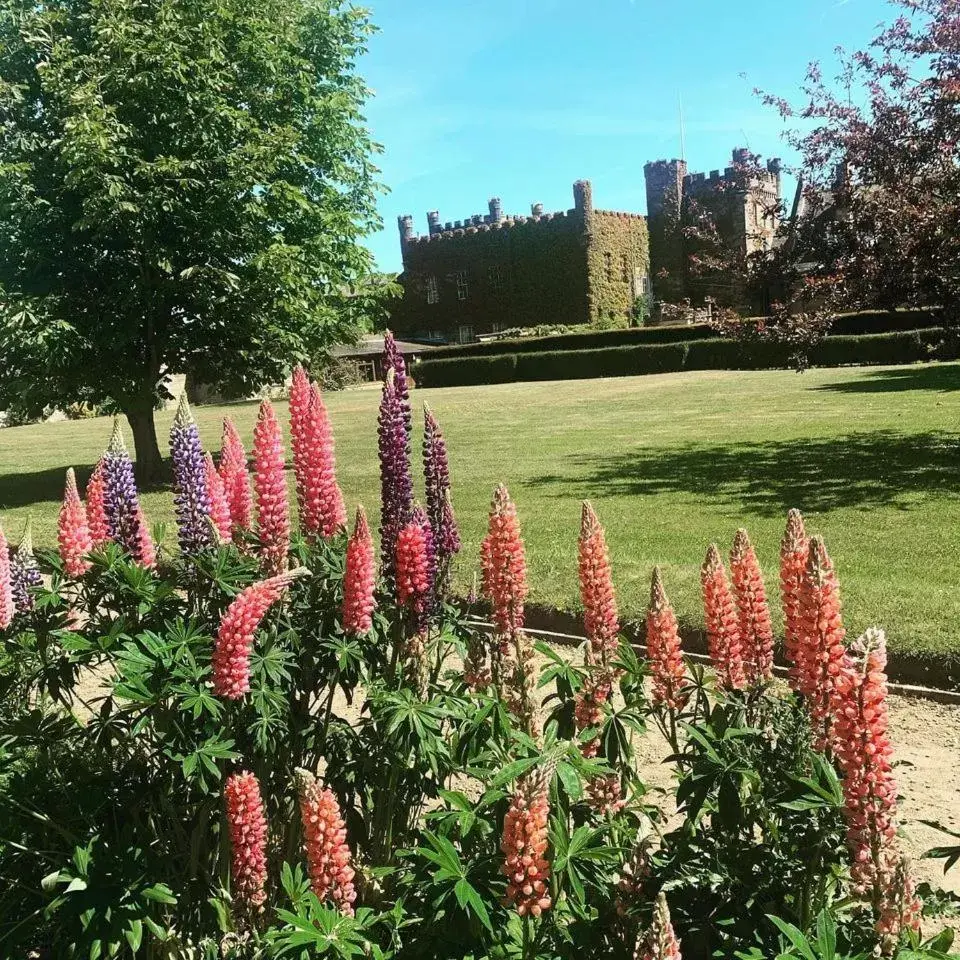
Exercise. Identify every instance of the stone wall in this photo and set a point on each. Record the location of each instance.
(619, 264)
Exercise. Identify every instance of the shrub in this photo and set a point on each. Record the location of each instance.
(243, 751)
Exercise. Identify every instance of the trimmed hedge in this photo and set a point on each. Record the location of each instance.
(846, 324)
(715, 354)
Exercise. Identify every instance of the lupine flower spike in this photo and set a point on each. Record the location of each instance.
(7, 608)
(414, 572)
(661, 942)
(191, 497)
(299, 413)
(236, 479)
(900, 909)
(635, 873)
(73, 531)
(219, 507)
(269, 481)
(247, 826)
(436, 473)
(96, 507)
(325, 843)
(663, 648)
(723, 630)
(821, 654)
(24, 572)
(359, 579)
(794, 548)
(396, 485)
(596, 588)
(145, 545)
(322, 510)
(756, 631)
(238, 628)
(120, 497)
(524, 845)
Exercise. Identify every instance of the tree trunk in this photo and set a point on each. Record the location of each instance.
(149, 463)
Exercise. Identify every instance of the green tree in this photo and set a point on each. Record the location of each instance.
(183, 185)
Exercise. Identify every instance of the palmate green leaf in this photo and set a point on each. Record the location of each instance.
(795, 936)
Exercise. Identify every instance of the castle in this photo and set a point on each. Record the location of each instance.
(494, 272)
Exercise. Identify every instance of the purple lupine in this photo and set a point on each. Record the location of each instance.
(121, 500)
(436, 473)
(393, 360)
(191, 497)
(396, 484)
(423, 610)
(24, 572)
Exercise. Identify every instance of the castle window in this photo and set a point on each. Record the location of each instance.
(608, 266)
(462, 289)
(495, 277)
(465, 333)
(433, 290)
(625, 268)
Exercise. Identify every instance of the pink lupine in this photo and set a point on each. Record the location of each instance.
(524, 845)
(756, 630)
(269, 481)
(236, 480)
(247, 827)
(663, 648)
(73, 533)
(299, 404)
(7, 608)
(821, 655)
(900, 908)
(596, 588)
(322, 510)
(219, 507)
(146, 551)
(660, 942)
(723, 629)
(359, 579)
(504, 565)
(97, 521)
(794, 548)
(325, 843)
(238, 628)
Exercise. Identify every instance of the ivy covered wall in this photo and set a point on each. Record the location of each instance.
(618, 262)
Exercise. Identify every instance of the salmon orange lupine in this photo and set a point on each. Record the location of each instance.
(413, 565)
(504, 565)
(359, 579)
(247, 827)
(821, 654)
(756, 630)
(236, 479)
(660, 942)
(723, 628)
(73, 531)
(238, 628)
(219, 507)
(663, 648)
(325, 844)
(524, 845)
(596, 587)
(96, 499)
(794, 548)
(146, 550)
(270, 484)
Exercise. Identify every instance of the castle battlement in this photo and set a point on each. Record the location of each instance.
(452, 231)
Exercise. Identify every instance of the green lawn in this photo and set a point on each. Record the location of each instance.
(671, 462)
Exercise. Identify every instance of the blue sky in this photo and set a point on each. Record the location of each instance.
(519, 98)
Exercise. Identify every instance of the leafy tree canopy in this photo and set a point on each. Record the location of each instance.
(183, 185)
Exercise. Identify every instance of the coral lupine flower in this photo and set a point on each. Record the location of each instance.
(524, 845)
(723, 630)
(73, 531)
(605, 794)
(299, 403)
(248, 838)
(269, 481)
(121, 500)
(145, 548)
(396, 485)
(436, 473)
(794, 549)
(238, 627)
(24, 572)
(219, 507)
(504, 565)
(821, 655)
(596, 587)
(236, 479)
(191, 498)
(359, 579)
(663, 648)
(322, 510)
(661, 942)
(414, 568)
(900, 908)
(7, 608)
(588, 705)
(756, 631)
(325, 844)
(635, 873)
(96, 507)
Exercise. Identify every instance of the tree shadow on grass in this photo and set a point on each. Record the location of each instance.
(25, 489)
(859, 470)
(941, 378)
